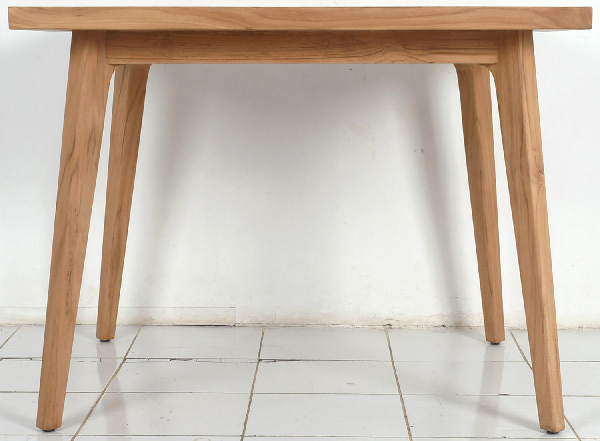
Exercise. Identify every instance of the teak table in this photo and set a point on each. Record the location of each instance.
(128, 40)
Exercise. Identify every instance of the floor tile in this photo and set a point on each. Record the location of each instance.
(316, 438)
(354, 377)
(184, 376)
(584, 414)
(574, 344)
(324, 383)
(84, 375)
(445, 344)
(203, 342)
(37, 437)
(465, 377)
(29, 340)
(581, 378)
(168, 414)
(488, 416)
(157, 438)
(325, 344)
(18, 412)
(5, 332)
(326, 415)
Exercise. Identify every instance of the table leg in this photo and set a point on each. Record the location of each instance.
(476, 103)
(520, 122)
(128, 107)
(87, 90)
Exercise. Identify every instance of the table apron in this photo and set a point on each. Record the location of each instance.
(176, 47)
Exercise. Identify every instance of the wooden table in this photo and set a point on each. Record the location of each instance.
(126, 41)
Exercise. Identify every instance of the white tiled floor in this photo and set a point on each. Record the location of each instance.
(28, 341)
(298, 384)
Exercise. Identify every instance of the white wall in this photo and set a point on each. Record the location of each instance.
(298, 193)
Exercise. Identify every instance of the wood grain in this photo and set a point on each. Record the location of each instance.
(302, 47)
(300, 19)
(476, 103)
(516, 87)
(128, 108)
(87, 90)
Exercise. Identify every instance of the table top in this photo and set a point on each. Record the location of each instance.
(298, 19)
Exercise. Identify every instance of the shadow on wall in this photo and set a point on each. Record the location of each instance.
(271, 156)
(257, 132)
(267, 139)
(434, 192)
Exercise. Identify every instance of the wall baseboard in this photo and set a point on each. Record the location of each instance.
(129, 316)
(229, 316)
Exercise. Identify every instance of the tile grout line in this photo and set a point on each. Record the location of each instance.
(387, 336)
(530, 367)
(262, 336)
(572, 428)
(107, 384)
(10, 336)
(520, 350)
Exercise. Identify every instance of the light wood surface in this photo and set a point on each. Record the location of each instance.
(277, 19)
(476, 104)
(87, 90)
(516, 87)
(128, 107)
(303, 47)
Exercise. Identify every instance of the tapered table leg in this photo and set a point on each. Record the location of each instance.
(128, 107)
(87, 90)
(476, 103)
(520, 122)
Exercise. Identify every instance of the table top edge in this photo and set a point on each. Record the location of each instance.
(201, 18)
